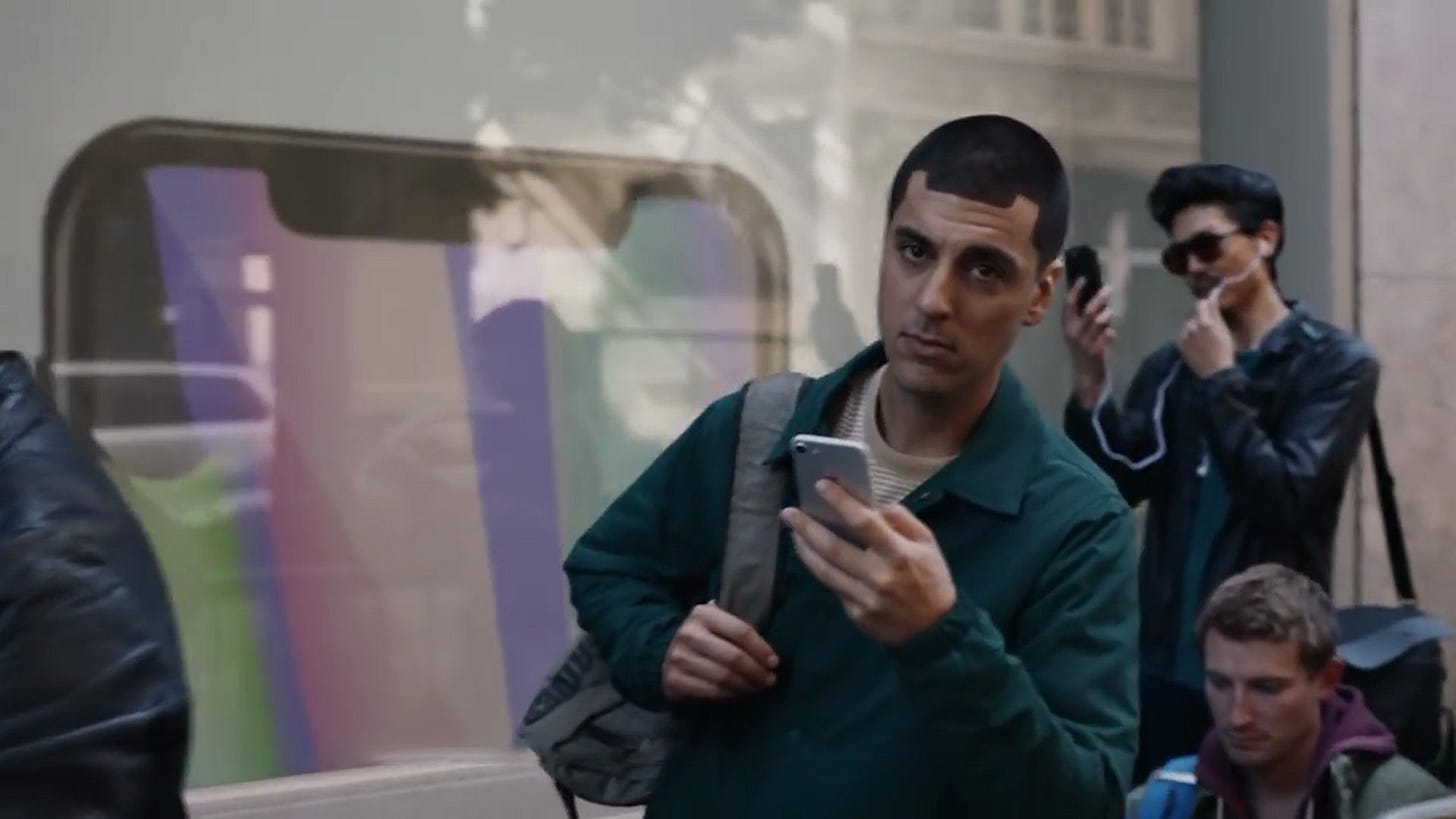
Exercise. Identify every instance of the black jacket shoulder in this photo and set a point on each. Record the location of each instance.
(94, 708)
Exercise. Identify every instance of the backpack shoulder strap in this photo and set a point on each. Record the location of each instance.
(750, 551)
(1400, 569)
(1171, 791)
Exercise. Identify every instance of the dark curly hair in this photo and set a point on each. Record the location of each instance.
(1248, 197)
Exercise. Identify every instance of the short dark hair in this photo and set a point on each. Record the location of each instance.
(993, 158)
(1274, 603)
(1248, 197)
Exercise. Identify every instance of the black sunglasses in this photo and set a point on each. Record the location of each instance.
(1206, 246)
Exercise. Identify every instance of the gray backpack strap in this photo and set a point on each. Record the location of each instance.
(750, 551)
(593, 742)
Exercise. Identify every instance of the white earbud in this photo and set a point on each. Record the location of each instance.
(1250, 269)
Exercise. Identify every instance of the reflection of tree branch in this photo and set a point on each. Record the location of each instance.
(611, 56)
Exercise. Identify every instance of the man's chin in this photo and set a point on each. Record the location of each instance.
(1247, 757)
(924, 380)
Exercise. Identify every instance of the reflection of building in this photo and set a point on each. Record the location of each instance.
(818, 115)
(1113, 84)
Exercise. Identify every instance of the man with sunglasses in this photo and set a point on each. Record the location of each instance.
(1239, 434)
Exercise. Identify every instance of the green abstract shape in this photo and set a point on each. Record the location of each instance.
(190, 522)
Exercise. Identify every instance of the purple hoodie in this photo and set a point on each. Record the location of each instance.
(1346, 725)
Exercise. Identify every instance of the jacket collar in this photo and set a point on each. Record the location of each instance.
(992, 469)
(1293, 331)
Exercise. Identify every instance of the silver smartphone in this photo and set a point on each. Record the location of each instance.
(848, 462)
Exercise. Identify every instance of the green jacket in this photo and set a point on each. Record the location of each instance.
(1361, 786)
(1020, 702)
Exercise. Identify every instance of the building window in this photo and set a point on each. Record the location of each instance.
(1140, 21)
(1128, 23)
(902, 11)
(1066, 19)
(1032, 19)
(1112, 20)
(982, 14)
(1061, 19)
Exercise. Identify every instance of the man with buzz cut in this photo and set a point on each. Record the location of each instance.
(974, 653)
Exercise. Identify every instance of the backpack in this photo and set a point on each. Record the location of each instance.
(591, 741)
(1393, 654)
(1171, 791)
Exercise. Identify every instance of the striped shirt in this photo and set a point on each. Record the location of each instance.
(893, 474)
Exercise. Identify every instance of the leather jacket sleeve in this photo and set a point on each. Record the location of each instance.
(94, 706)
(1277, 476)
(93, 721)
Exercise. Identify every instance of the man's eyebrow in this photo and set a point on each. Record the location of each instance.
(910, 234)
(989, 254)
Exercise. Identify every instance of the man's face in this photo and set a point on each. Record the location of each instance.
(958, 279)
(1265, 703)
(1236, 250)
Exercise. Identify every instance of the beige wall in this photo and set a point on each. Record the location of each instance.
(1405, 281)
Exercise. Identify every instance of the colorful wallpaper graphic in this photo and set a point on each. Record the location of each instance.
(372, 570)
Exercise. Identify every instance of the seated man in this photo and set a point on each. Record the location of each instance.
(1288, 739)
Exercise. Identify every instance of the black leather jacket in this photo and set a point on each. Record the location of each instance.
(94, 708)
(1284, 436)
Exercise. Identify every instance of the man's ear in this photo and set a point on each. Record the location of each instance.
(1268, 235)
(1330, 676)
(1046, 288)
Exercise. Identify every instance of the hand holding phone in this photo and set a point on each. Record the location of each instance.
(1082, 265)
(1087, 324)
(897, 584)
(843, 461)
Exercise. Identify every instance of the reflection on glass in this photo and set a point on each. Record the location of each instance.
(982, 14)
(1113, 21)
(361, 457)
(1033, 18)
(363, 370)
(1141, 22)
(1128, 22)
(1066, 19)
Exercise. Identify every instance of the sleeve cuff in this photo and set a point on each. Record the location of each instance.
(1229, 378)
(1074, 414)
(945, 637)
(1218, 389)
(1077, 419)
(640, 678)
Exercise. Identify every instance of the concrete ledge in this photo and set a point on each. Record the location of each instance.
(473, 786)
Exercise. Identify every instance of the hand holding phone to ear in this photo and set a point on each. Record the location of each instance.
(1087, 323)
(1089, 335)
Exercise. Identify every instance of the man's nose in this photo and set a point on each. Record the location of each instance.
(1241, 713)
(934, 298)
